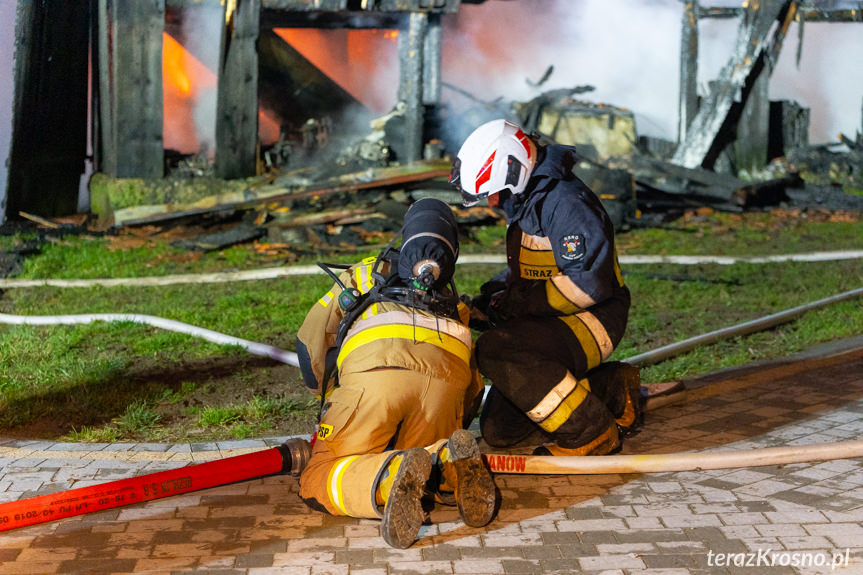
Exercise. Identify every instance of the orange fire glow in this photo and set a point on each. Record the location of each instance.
(350, 58)
(184, 79)
(185, 82)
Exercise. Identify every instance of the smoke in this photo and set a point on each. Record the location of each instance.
(629, 51)
(202, 30)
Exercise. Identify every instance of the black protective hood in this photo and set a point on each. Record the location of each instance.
(429, 243)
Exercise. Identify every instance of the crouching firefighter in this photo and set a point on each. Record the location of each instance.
(394, 333)
(558, 310)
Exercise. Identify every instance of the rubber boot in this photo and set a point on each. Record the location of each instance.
(606, 443)
(403, 510)
(618, 386)
(475, 491)
(590, 430)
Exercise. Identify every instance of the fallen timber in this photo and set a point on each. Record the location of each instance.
(280, 190)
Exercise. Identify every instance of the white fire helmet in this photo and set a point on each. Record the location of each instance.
(497, 156)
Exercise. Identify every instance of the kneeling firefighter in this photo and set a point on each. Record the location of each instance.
(558, 310)
(394, 332)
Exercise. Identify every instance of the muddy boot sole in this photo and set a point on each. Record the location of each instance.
(403, 513)
(476, 493)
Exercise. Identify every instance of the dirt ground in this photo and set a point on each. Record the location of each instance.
(178, 393)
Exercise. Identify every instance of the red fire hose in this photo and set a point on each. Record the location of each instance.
(288, 457)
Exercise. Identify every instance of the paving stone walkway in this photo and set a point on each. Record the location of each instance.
(796, 518)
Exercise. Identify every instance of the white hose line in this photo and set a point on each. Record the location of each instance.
(252, 347)
(280, 272)
(672, 462)
(760, 324)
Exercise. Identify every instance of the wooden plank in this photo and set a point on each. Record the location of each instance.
(688, 105)
(750, 147)
(807, 14)
(384, 178)
(284, 71)
(237, 100)
(718, 113)
(136, 87)
(432, 62)
(107, 149)
(48, 144)
(355, 7)
(411, 51)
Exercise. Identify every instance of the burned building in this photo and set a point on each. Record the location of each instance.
(97, 84)
(89, 83)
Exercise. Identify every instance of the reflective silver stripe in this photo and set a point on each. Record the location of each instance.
(571, 291)
(365, 282)
(600, 334)
(430, 235)
(450, 327)
(326, 299)
(536, 243)
(553, 398)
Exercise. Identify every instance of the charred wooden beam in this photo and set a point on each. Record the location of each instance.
(352, 6)
(688, 68)
(789, 128)
(750, 145)
(131, 87)
(432, 62)
(49, 131)
(237, 107)
(282, 191)
(293, 88)
(807, 14)
(716, 119)
(411, 58)
(752, 140)
(330, 20)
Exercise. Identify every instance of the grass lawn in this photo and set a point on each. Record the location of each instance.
(127, 382)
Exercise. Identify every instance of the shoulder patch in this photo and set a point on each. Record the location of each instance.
(572, 247)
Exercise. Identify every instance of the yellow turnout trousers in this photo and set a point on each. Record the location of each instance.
(369, 418)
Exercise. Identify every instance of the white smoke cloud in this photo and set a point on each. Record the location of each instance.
(629, 50)
(202, 29)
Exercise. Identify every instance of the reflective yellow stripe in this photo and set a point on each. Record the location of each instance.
(553, 398)
(334, 481)
(585, 338)
(558, 301)
(535, 265)
(600, 334)
(364, 279)
(416, 334)
(617, 273)
(572, 292)
(326, 298)
(567, 406)
(412, 318)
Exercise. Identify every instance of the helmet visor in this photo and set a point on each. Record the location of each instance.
(468, 200)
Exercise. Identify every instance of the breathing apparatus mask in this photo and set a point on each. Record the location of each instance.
(419, 270)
